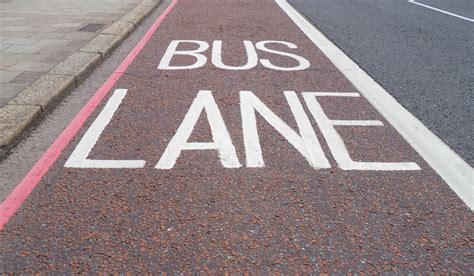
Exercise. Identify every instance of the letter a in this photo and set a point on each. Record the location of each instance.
(220, 136)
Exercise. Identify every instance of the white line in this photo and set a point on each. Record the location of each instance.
(453, 169)
(335, 94)
(442, 11)
(356, 123)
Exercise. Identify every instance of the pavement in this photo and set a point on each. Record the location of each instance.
(422, 56)
(270, 152)
(48, 47)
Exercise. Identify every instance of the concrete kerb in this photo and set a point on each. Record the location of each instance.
(15, 118)
(78, 64)
(27, 108)
(44, 91)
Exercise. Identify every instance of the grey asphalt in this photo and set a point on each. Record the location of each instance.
(423, 58)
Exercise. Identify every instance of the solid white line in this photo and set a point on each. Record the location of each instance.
(442, 11)
(356, 123)
(335, 94)
(452, 168)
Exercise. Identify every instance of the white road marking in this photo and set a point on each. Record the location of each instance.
(306, 142)
(220, 135)
(171, 51)
(356, 123)
(78, 158)
(252, 58)
(302, 62)
(336, 144)
(442, 11)
(452, 168)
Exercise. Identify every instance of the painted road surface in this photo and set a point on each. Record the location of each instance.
(235, 137)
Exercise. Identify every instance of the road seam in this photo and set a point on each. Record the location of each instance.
(22, 113)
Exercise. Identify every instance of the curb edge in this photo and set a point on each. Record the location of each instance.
(13, 128)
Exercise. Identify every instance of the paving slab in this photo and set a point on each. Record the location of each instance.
(31, 67)
(9, 90)
(23, 49)
(6, 76)
(56, 38)
(26, 77)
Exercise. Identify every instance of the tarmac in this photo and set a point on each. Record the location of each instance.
(215, 170)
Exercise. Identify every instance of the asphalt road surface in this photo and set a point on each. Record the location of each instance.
(232, 136)
(422, 57)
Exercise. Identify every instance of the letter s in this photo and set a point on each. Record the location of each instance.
(303, 63)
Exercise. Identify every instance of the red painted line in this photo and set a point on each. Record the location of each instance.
(29, 182)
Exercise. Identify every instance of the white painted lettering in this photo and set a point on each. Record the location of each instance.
(335, 142)
(78, 158)
(171, 51)
(220, 136)
(252, 59)
(305, 142)
(252, 56)
(302, 62)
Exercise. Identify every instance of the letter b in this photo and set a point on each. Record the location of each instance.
(171, 51)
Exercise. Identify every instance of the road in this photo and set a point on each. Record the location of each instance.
(232, 136)
(424, 58)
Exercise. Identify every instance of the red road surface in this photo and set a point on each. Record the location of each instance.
(214, 211)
